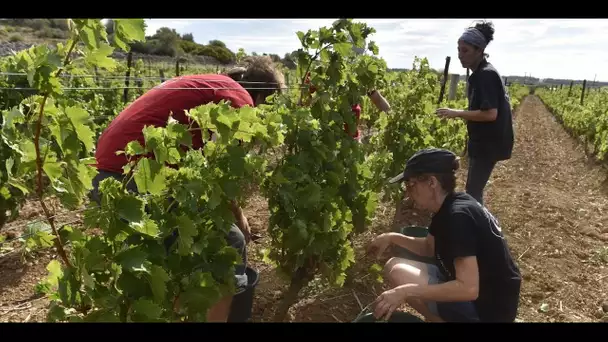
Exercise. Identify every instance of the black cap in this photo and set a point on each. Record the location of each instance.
(428, 160)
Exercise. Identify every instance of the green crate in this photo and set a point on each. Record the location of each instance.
(414, 231)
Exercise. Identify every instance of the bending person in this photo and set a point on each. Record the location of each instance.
(175, 96)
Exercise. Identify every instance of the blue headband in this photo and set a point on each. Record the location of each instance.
(475, 37)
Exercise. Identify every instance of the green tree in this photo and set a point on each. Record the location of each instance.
(188, 37)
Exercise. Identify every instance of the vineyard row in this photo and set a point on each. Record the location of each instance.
(585, 120)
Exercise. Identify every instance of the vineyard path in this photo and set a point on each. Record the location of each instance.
(551, 201)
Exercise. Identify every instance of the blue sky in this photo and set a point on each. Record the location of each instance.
(564, 48)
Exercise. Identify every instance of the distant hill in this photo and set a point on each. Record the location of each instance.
(166, 45)
(17, 34)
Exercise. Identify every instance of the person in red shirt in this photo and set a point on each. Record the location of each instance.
(173, 97)
(377, 99)
(357, 112)
(153, 108)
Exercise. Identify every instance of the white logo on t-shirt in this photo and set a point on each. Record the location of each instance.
(442, 264)
(494, 225)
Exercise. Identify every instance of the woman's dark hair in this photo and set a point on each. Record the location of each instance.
(261, 71)
(446, 180)
(487, 29)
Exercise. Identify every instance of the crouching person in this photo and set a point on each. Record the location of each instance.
(473, 277)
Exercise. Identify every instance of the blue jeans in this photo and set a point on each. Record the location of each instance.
(235, 237)
(449, 311)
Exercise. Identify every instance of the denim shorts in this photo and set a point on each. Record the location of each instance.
(449, 311)
(234, 238)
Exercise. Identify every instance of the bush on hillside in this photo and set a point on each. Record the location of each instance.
(55, 33)
(189, 46)
(223, 55)
(218, 43)
(141, 47)
(60, 24)
(38, 24)
(188, 37)
(164, 42)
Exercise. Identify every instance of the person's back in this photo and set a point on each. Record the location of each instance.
(499, 276)
(154, 107)
(490, 139)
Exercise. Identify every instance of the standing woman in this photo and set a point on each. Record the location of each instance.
(488, 117)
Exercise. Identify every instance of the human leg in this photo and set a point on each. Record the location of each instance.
(221, 310)
(479, 173)
(235, 238)
(450, 311)
(400, 271)
(94, 194)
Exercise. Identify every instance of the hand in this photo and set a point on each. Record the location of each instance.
(446, 113)
(379, 245)
(388, 302)
(243, 225)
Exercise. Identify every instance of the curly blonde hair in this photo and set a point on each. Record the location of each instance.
(261, 71)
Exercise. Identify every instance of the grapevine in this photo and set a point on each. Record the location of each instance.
(317, 193)
(586, 121)
(411, 125)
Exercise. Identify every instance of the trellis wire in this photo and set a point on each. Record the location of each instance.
(158, 87)
(140, 78)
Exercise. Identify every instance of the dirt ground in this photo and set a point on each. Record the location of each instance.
(552, 203)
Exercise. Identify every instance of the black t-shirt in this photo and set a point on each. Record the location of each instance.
(494, 139)
(463, 227)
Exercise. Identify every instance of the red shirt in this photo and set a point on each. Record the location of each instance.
(153, 109)
(357, 110)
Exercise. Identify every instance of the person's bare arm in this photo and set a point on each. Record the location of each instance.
(421, 246)
(469, 115)
(379, 101)
(478, 115)
(236, 209)
(241, 220)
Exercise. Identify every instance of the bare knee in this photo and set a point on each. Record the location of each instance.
(388, 272)
(400, 271)
(389, 266)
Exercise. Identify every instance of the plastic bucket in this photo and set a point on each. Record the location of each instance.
(396, 317)
(414, 231)
(242, 302)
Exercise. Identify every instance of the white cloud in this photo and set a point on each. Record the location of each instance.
(177, 24)
(564, 48)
